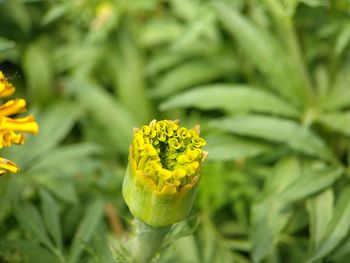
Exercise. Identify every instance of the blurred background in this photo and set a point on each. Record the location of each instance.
(268, 81)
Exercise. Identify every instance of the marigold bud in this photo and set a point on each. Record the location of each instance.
(163, 174)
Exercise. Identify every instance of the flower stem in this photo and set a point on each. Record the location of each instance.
(148, 241)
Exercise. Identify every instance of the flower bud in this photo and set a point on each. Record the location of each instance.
(163, 172)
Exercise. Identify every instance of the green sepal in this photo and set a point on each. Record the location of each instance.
(156, 208)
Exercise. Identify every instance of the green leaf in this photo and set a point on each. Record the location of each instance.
(337, 228)
(16, 12)
(184, 250)
(184, 9)
(232, 99)
(38, 69)
(343, 39)
(265, 52)
(286, 172)
(338, 121)
(342, 252)
(54, 124)
(193, 73)
(339, 95)
(311, 182)
(101, 248)
(315, 3)
(269, 219)
(320, 208)
(161, 62)
(274, 129)
(198, 26)
(224, 147)
(25, 251)
(6, 44)
(50, 210)
(271, 213)
(29, 217)
(62, 190)
(129, 82)
(64, 156)
(159, 31)
(116, 119)
(289, 184)
(86, 230)
(55, 13)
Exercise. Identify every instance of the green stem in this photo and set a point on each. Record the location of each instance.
(284, 21)
(148, 241)
(296, 53)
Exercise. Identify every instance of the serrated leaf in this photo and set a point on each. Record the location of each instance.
(232, 99)
(337, 228)
(274, 129)
(50, 210)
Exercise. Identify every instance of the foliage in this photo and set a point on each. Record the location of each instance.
(268, 81)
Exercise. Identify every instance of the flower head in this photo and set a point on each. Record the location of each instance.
(164, 165)
(9, 126)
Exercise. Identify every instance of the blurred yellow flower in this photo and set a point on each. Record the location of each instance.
(9, 126)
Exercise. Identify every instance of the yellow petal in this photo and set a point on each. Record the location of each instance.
(169, 189)
(165, 174)
(9, 137)
(179, 173)
(8, 166)
(27, 124)
(6, 88)
(13, 107)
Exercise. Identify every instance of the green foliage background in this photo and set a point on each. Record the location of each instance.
(269, 82)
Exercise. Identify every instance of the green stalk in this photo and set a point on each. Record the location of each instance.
(284, 21)
(148, 241)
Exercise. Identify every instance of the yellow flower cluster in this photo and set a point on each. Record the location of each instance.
(9, 126)
(168, 154)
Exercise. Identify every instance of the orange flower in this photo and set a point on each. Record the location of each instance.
(9, 126)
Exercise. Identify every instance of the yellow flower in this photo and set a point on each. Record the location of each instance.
(164, 170)
(9, 126)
